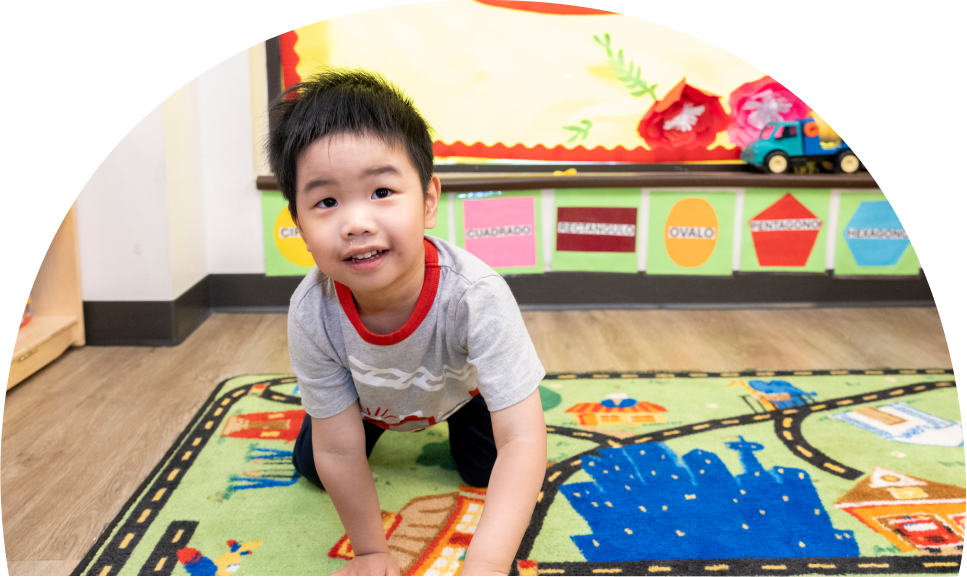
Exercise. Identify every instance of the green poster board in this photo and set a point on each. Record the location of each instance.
(278, 234)
(790, 232)
(502, 228)
(874, 246)
(597, 260)
(698, 239)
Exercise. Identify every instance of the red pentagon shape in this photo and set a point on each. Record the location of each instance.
(785, 233)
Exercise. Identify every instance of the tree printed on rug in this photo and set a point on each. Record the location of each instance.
(741, 473)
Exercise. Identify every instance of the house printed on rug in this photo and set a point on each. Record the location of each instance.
(617, 409)
(911, 513)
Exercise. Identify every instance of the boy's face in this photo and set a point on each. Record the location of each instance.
(362, 212)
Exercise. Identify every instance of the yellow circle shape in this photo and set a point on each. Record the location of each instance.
(289, 241)
(691, 232)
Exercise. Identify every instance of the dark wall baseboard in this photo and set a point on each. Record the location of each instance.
(168, 323)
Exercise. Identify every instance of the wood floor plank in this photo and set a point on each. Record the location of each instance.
(42, 567)
(80, 435)
(827, 338)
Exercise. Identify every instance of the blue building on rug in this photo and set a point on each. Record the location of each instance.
(647, 504)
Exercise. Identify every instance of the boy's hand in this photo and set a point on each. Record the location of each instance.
(371, 564)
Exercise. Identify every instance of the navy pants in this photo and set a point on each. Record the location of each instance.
(471, 444)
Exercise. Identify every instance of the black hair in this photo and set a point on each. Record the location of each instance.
(337, 101)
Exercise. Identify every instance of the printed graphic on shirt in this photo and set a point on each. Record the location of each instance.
(396, 379)
(381, 418)
(399, 380)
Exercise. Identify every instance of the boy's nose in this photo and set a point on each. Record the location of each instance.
(358, 223)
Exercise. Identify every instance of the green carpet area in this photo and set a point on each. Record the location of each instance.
(748, 473)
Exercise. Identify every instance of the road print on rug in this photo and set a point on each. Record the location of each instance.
(701, 473)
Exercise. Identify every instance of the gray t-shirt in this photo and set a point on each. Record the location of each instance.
(465, 337)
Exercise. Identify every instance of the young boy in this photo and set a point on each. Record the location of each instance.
(395, 331)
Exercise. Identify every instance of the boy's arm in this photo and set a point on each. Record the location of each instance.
(339, 451)
(514, 484)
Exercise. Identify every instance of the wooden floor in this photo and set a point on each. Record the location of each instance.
(81, 435)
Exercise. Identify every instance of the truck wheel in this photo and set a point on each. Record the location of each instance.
(776, 162)
(847, 162)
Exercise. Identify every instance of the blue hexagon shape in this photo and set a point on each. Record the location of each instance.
(875, 236)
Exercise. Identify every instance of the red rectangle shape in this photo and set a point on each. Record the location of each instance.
(596, 229)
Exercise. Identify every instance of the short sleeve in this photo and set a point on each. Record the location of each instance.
(325, 384)
(498, 345)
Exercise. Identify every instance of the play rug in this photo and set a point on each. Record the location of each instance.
(749, 473)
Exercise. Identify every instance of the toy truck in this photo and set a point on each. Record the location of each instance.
(783, 144)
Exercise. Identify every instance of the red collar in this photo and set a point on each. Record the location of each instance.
(431, 278)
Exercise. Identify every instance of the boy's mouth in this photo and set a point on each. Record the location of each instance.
(371, 255)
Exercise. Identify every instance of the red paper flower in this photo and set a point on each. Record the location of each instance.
(685, 118)
(755, 104)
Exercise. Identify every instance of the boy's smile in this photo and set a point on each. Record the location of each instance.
(361, 210)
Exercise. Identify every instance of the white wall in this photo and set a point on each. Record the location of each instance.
(176, 199)
(186, 216)
(122, 216)
(233, 206)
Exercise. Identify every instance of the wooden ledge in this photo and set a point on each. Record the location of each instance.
(464, 182)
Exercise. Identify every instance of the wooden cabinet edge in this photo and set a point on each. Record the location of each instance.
(30, 357)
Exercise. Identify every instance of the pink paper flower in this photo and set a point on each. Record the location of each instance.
(686, 118)
(755, 104)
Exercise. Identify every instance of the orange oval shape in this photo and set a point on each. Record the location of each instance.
(691, 232)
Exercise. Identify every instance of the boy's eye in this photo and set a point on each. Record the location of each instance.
(382, 193)
(328, 202)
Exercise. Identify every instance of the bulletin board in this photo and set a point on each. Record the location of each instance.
(535, 82)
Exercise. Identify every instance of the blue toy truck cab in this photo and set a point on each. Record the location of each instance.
(783, 144)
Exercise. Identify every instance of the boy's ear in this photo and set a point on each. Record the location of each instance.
(431, 202)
